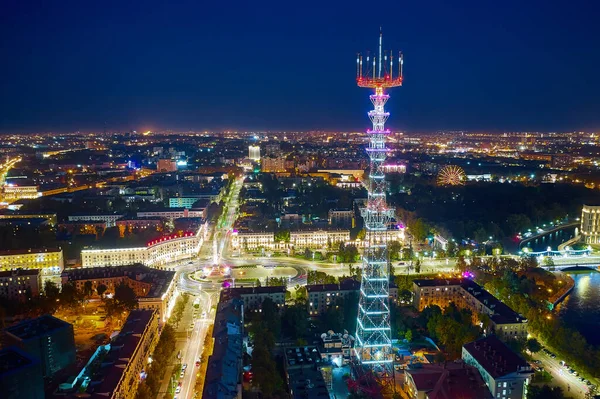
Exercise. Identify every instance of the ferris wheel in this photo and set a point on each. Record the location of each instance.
(451, 175)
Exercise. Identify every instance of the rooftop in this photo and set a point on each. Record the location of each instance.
(12, 359)
(502, 312)
(122, 350)
(304, 374)
(278, 289)
(495, 357)
(37, 327)
(20, 272)
(345, 285)
(29, 251)
(160, 279)
(449, 381)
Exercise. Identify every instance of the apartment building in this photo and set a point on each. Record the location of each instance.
(465, 293)
(505, 373)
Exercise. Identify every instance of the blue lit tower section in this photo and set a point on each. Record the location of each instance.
(373, 332)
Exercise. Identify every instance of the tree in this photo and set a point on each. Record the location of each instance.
(51, 290)
(419, 229)
(69, 295)
(461, 264)
(418, 266)
(125, 297)
(294, 321)
(533, 345)
(101, 289)
(282, 235)
(394, 248)
(301, 294)
(405, 295)
(545, 392)
(408, 336)
(88, 288)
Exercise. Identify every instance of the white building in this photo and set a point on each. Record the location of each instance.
(254, 152)
(174, 213)
(110, 219)
(161, 253)
(590, 224)
(298, 240)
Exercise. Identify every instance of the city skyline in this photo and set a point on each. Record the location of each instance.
(195, 67)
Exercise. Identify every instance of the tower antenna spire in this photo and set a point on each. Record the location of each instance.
(373, 349)
(380, 45)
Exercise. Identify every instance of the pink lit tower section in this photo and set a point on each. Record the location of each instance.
(373, 347)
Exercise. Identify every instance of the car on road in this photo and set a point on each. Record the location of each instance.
(182, 374)
(178, 389)
(184, 366)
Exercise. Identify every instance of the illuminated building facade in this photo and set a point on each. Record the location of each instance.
(49, 261)
(160, 253)
(254, 152)
(373, 333)
(590, 224)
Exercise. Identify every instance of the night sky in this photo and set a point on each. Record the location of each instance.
(290, 65)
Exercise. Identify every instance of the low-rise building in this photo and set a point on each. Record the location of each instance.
(341, 218)
(505, 373)
(20, 375)
(322, 296)
(154, 289)
(20, 285)
(134, 225)
(128, 357)
(46, 338)
(304, 373)
(450, 380)
(253, 297)
(336, 347)
(224, 371)
(465, 293)
(48, 260)
(174, 213)
(110, 219)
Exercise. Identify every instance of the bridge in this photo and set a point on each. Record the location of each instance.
(587, 262)
(554, 229)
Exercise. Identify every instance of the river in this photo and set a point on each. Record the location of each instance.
(581, 309)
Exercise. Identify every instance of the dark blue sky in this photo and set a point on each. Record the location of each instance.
(493, 65)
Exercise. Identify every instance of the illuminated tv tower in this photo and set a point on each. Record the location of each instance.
(373, 332)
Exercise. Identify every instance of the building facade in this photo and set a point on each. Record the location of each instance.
(20, 285)
(174, 213)
(224, 372)
(20, 375)
(590, 224)
(46, 338)
(49, 261)
(313, 239)
(154, 289)
(341, 218)
(127, 359)
(449, 380)
(254, 153)
(505, 373)
(161, 253)
(465, 293)
(110, 218)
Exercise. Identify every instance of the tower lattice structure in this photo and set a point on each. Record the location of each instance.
(373, 347)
